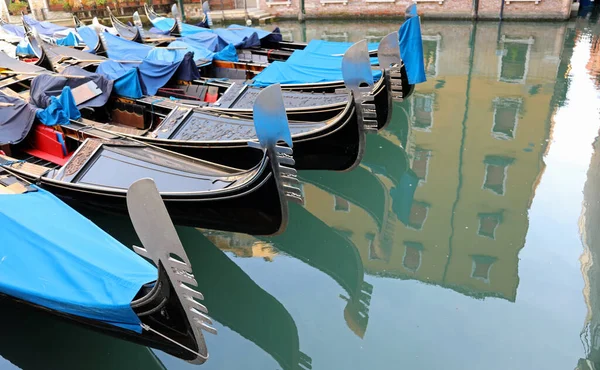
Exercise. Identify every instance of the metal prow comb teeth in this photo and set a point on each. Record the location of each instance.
(271, 124)
(162, 245)
(137, 21)
(358, 78)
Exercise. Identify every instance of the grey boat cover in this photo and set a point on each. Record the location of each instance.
(44, 86)
(15, 120)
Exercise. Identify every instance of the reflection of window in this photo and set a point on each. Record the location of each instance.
(513, 64)
(431, 52)
(418, 215)
(412, 255)
(420, 165)
(374, 252)
(488, 222)
(423, 111)
(481, 267)
(340, 204)
(496, 170)
(506, 118)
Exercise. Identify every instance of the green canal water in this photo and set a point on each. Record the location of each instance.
(468, 238)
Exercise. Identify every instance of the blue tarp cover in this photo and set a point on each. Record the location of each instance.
(89, 36)
(44, 28)
(60, 109)
(411, 50)
(243, 31)
(46, 85)
(165, 24)
(24, 48)
(331, 48)
(304, 67)
(56, 258)
(201, 53)
(69, 40)
(126, 81)
(15, 121)
(208, 40)
(240, 42)
(120, 49)
(14, 29)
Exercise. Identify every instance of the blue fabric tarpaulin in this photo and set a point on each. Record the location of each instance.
(89, 36)
(208, 40)
(304, 67)
(126, 81)
(229, 53)
(243, 31)
(14, 29)
(44, 28)
(240, 42)
(333, 48)
(15, 120)
(120, 49)
(24, 48)
(165, 24)
(44, 86)
(201, 54)
(55, 258)
(60, 110)
(69, 40)
(411, 50)
(155, 74)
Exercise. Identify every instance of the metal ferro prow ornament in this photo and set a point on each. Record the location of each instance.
(390, 61)
(358, 78)
(137, 22)
(271, 124)
(162, 245)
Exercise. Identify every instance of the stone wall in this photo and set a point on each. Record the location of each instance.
(434, 9)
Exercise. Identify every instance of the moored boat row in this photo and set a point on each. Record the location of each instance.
(145, 125)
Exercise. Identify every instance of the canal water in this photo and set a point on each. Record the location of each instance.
(468, 238)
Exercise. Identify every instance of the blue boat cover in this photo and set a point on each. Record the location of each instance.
(44, 28)
(240, 42)
(243, 31)
(333, 48)
(126, 81)
(69, 40)
(165, 24)
(60, 109)
(56, 258)
(304, 67)
(14, 29)
(202, 54)
(89, 36)
(120, 49)
(44, 86)
(208, 40)
(24, 48)
(411, 49)
(16, 120)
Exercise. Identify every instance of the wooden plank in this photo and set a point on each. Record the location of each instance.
(30, 168)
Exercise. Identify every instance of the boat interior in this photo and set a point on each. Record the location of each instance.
(59, 155)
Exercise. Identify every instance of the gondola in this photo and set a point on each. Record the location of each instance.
(335, 144)
(136, 33)
(57, 261)
(95, 167)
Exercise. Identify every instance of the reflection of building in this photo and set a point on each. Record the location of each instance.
(590, 261)
(476, 167)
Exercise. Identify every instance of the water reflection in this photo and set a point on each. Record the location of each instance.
(436, 214)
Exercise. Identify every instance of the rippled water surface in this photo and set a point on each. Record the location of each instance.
(468, 238)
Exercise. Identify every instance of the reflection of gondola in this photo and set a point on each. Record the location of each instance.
(26, 331)
(235, 300)
(333, 254)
